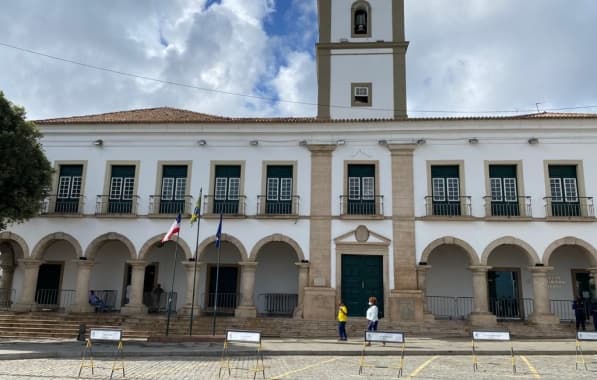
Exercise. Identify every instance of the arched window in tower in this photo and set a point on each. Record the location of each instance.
(361, 19)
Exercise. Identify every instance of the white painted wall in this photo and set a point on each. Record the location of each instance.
(352, 66)
(109, 269)
(380, 21)
(561, 283)
(511, 257)
(449, 275)
(276, 272)
(63, 253)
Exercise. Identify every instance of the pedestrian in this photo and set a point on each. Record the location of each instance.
(156, 296)
(594, 313)
(372, 316)
(342, 318)
(580, 313)
(96, 301)
(127, 294)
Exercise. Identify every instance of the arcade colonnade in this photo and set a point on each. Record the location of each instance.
(111, 262)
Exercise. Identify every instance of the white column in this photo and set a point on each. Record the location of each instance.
(481, 315)
(303, 282)
(27, 299)
(135, 305)
(191, 274)
(82, 290)
(247, 288)
(542, 314)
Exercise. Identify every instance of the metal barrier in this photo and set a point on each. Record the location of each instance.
(225, 206)
(106, 206)
(7, 297)
(565, 207)
(108, 297)
(511, 308)
(158, 303)
(277, 303)
(563, 309)
(55, 299)
(52, 204)
(227, 302)
(522, 206)
(444, 307)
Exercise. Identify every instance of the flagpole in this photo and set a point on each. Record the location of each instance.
(195, 266)
(172, 287)
(213, 323)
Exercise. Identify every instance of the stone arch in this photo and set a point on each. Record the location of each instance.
(11, 236)
(569, 240)
(450, 240)
(510, 240)
(42, 245)
(228, 238)
(277, 238)
(100, 240)
(157, 238)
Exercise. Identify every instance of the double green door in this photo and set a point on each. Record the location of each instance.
(362, 277)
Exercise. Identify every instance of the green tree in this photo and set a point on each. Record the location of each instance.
(25, 172)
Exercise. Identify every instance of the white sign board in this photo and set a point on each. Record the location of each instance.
(384, 336)
(584, 335)
(491, 335)
(243, 336)
(105, 334)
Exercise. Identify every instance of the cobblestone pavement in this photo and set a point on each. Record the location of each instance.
(309, 367)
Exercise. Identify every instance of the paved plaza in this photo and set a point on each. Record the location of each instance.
(295, 359)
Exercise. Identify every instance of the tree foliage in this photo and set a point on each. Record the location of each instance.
(25, 172)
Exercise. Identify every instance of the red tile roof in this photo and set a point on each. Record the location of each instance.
(167, 115)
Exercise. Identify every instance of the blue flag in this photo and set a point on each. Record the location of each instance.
(219, 233)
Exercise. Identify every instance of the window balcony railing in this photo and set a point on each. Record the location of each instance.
(53, 205)
(520, 207)
(569, 207)
(268, 207)
(159, 206)
(459, 206)
(362, 207)
(106, 206)
(226, 206)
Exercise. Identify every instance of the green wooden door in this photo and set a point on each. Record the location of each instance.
(362, 277)
(564, 190)
(504, 190)
(445, 182)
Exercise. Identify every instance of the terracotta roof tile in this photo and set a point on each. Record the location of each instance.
(167, 115)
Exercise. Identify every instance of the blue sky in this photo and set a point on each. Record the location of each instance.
(465, 56)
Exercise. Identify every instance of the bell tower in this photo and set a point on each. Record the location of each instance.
(361, 59)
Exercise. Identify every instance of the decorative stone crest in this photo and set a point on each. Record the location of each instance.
(361, 234)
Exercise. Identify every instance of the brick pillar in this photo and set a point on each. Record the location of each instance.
(481, 315)
(135, 305)
(542, 314)
(303, 280)
(319, 300)
(247, 288)
(27, 299)
(191, 279)
(406, 299)
(82, 305)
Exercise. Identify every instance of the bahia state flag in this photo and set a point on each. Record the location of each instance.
(219, 233)
(174, 229)
(197, 210)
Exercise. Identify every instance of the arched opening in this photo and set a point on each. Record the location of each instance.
(57, 275)
(227, 279)
(509, 281)
(276, 279)
(361, 19)
(110, 272)
(449, 282)
(570, 279)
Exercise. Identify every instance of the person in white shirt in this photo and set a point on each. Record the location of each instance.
(372, 316)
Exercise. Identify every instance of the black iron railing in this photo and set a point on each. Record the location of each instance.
(54, 299)
(563, 309)
(444, 307)
(227, 302)
(373, 206)
(511, 308)
(7, 297)
(226, 206)
(522, 206)
(459, 206)
(158, 206)
(277, 303)
(569, 207)
(106, 206)
(52, 204)
(277, 207)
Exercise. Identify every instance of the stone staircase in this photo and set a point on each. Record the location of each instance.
(38, 325)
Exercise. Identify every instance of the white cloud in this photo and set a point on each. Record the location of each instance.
(295, 82)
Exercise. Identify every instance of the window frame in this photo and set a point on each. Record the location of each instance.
(378, 205)
(211, 196)
(56, 181)
(108, 183)
(522, 208)
(461, 182)
(353, 89)
(580, 182)
(264, 187)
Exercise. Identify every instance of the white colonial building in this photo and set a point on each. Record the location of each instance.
(479, 218)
